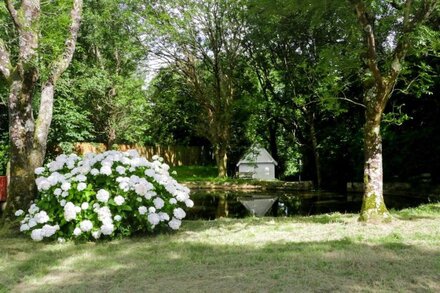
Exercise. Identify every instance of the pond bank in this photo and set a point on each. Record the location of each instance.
(250, 185)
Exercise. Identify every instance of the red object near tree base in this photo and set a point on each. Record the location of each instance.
(3, 188)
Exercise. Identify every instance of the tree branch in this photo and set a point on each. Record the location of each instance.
(13, 13)
(5, 62)
(361, 13)
(48, 88)
(409, 25)
(61, 64)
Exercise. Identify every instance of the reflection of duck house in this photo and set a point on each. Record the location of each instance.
(257, 206)
(257, 163)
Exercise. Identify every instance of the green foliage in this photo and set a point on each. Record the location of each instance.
(174, 113)
(4, 157)
(70, 122)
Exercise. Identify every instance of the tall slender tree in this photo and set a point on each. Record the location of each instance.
(390, 29)
(202, 40)
(28, 136)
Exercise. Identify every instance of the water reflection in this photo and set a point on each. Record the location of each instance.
(215, 204)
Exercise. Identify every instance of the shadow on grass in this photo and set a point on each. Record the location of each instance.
(167, 264)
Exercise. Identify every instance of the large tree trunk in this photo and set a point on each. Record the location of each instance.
(21, 188)
(28, 139)
(373, 204)
(221, 157)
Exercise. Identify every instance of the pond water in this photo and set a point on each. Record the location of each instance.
(214, 204)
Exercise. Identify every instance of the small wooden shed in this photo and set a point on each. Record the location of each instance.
(257, 163)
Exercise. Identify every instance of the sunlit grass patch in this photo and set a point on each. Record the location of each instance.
(423, 211)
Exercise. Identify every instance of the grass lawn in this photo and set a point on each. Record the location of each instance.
(320, 253)
(208, 174)
(195, 173)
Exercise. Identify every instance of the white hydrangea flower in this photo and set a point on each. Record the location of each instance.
(86, 225)
(149, 172)
(37, 235)
(142, 188)
(165, 167)
(57, 191)
(81, 186)
(69, 211)
(63, 202)
(107, 228)
(119, 200)
(189, 203)
(48, 230)
(32, 223)
(18, 213)
(179, 213)
(104, 215)
(133, 153)
(96, 234)
(33, 209)
(77, 231)
(24, 227)
(120, 170)
(39, 170)
(41, 217)
(117, 218)
(70, 164)
(142, 210)
(66, 186)
(81, 178)
(164, 216)
(106, 170)
(181, 196)
(153, 218)
(103, 195)
(139, 199)
(173, 200)
(158, 203)
(84, 205)
(94, 172)
(134, 179)
(174, 224)
(43, 184)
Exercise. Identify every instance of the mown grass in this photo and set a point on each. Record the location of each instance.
(319, 253)
(195, 173)
(208, 174)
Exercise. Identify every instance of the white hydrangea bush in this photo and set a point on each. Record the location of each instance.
(106, 195)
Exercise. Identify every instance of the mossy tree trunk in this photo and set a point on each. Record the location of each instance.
(381, 80)
(373, 204)
(28, 136)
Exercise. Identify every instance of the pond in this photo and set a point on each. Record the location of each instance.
(215, 204)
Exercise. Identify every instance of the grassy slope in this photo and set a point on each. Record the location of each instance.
(320, 253)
